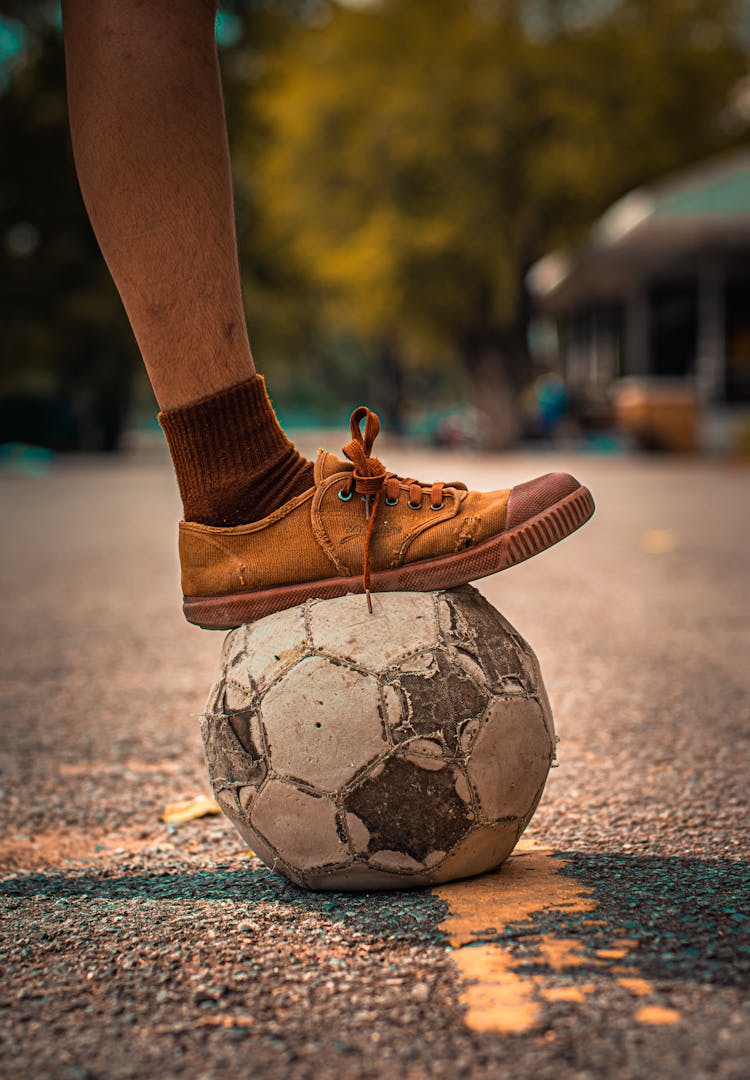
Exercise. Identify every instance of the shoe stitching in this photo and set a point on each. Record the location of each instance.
(253, 526)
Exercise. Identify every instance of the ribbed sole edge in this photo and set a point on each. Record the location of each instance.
(509, 548)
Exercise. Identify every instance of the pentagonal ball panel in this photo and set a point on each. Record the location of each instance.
(438, 696)
(405, 810)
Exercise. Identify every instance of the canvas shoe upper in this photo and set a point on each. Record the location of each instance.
(361, 528)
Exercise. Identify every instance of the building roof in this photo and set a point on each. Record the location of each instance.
(702, 209)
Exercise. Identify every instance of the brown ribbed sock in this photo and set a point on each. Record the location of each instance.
(233, 462)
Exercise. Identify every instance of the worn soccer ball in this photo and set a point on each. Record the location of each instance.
(361, 751)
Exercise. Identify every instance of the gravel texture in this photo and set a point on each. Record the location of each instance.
(135, 949)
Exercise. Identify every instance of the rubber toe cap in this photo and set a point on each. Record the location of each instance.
(532, 497)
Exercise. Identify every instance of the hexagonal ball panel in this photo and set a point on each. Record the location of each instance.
(272, 645)
(536, 684)
(438, 696)
(510, 757)
(360, 877)
(400, 623)
(323, 723)
(484, 849)
(471, 623)
(301, 827)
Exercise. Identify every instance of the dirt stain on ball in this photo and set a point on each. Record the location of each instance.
(392, 806)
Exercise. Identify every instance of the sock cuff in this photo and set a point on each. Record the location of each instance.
(231, 432)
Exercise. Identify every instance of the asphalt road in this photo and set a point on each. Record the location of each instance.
(135, 949)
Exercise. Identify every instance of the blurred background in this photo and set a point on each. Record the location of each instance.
(520, 230)
(496, 221)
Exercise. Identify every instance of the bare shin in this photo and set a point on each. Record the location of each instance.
(150, 144)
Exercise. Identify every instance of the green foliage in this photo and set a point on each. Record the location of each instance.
(68, 352)
(65, 336)
(398, 168)
(417, 158)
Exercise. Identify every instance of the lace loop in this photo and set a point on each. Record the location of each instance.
(370, 479)
(392, 490)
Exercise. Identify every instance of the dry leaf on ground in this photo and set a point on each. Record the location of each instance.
(189, 809)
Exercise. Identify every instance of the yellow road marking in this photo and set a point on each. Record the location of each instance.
(498, 990)
(656, 1014)
(496, 997)
(563, 993)
(639, 987)
(560, 953)
(529, 882)
(612, 954)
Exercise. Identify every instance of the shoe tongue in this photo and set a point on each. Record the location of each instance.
(327, 464)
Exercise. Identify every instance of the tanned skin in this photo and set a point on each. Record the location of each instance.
(150, 143)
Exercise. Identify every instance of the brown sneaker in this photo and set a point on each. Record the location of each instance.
(362, 528)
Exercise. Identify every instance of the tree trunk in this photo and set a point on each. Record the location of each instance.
(391, 386)
(500, 368)
(497, 402)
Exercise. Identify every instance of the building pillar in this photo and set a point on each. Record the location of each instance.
(637, 340)
(710, 361)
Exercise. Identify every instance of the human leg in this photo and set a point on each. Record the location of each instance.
(150, 144)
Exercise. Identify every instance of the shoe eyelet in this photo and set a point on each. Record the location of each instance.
(343, 497)
(438, 507)
(391, 502)
(414, 506)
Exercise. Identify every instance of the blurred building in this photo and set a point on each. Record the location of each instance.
(660, 290)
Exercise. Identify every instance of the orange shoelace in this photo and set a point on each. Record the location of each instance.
(371, 480)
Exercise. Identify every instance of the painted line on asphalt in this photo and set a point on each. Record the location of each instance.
(496, 995)
(504, 987)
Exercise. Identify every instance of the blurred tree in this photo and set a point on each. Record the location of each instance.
(417, 158)
(68, 355)
(398, 169)
(68, 360)
(312, 367)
